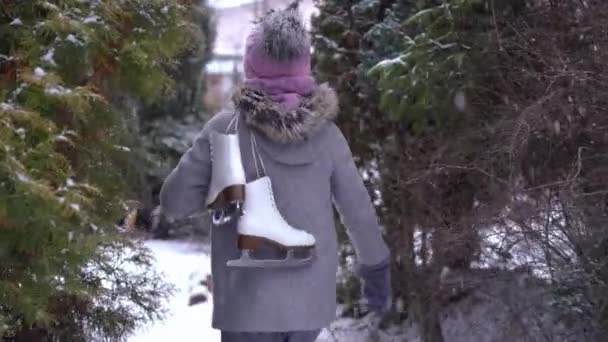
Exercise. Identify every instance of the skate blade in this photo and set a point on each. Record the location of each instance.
(291, 261)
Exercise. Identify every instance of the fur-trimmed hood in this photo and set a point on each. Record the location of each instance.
(281, 125)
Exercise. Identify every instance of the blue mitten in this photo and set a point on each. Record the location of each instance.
(377, 289)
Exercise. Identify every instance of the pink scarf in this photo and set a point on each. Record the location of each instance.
(286, 91)
(285, 82)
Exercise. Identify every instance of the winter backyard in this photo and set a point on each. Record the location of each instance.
(185, 263)
(378, 170)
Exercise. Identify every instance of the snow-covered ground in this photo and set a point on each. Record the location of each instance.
(494, 303)
(178, 260)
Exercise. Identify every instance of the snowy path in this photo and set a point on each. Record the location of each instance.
(177, 260)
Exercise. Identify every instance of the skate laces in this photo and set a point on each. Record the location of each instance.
(233, 128)
(256, 155)
(234, 122)
(260, 169)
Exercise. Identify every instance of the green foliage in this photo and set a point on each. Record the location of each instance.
(168, 125)
(166, 140)
(64, 161)
(350, 37)
(186, 71)
(478, 114)
(425, 86)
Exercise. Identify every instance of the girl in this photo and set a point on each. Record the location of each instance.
(311, 167)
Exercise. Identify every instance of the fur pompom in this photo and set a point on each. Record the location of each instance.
(284, 34)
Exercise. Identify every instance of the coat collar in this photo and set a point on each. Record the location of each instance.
(282, 125)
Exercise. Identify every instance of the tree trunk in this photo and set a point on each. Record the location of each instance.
(426, 307)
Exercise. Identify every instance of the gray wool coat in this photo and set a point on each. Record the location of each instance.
(311, 168)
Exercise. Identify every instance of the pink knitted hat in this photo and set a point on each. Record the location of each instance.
(278, 46)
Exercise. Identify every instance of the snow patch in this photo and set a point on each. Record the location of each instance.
(58, 90)
(49, 57)
(378, 200)
(177, 261)
(72, 39)
(20, 89)
(122, 148)
(364, 175)
(359, 330)
(20, 132)
(389, 62)
(91, 19)
(62, 137)
(39, 72)
(50, 6)
(70, 183)
(23, 178)
(421, 243)
(16, 22)
(6, 58)
(6, 106)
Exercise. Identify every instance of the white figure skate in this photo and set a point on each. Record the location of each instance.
(262, 222)
(227, 189)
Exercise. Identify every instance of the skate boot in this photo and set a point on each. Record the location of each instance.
(227, 189)
(262, 222)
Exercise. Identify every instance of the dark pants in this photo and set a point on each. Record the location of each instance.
(295, 336)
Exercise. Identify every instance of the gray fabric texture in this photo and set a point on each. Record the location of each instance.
(294, 336)
(308, 177)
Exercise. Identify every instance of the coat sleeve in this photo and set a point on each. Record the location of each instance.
(185, 189)
(354, 206)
